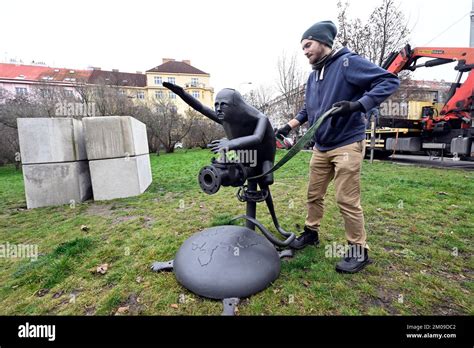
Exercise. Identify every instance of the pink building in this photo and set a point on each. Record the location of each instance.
(22, 79)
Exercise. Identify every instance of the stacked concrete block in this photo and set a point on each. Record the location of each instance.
(117, 149)
(55, 167)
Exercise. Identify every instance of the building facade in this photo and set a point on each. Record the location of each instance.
(22, 80)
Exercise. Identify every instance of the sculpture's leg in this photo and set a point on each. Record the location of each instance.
(162, 266)
(251, 206)
(229, 305)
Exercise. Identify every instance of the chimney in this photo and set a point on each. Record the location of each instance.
(139, 72)
(96, 68)
(166, 60)
(115, 70)
(187, 61)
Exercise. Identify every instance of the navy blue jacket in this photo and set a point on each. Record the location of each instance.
(345, 76)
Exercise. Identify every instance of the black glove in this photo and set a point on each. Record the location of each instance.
(344, 109)
(283, 131)
(174, 88)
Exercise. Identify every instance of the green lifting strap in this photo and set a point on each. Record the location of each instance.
(299, 145)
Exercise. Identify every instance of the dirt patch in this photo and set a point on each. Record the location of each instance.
(384, 299)
(120, 219)
(100, 210)
(89, 310)
(131, 306)
(148, 222)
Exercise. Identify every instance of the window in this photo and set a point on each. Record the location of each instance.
(172, 80)
(46, 93)
(21, 90)
(159, 94)
(140, 95)
(158, 80)
(172, 95)
(121, 92)
(196, 94)
(194, 81)
(68, 93)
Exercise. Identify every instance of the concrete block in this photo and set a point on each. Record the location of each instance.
(56, 183)
(120, 177)
(114, 137)
(51, 140)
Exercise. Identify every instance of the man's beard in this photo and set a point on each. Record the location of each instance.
(320, 63)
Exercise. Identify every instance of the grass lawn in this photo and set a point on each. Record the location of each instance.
(419, 221)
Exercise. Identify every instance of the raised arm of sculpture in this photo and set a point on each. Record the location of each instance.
(192, 102)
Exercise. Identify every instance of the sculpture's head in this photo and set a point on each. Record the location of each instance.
(229, 104)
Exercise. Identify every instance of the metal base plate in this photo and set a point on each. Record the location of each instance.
(226, 262)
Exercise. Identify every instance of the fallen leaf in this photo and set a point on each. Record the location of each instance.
(84, 228)
(379, 209)
(306, 283)
(122, 310)
(174, 305)
(139, 279)
(102, 269)
(442, 193)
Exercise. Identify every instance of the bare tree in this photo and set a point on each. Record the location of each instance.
(385, 31)
(165, 124)
(290, 85)
(203, 131)
(260, 98)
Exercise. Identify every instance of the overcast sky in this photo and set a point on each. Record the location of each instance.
(235, 41)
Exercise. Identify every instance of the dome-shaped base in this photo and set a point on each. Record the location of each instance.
(226, 261)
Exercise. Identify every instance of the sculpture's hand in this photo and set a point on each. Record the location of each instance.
(174, 88)
(219, 145)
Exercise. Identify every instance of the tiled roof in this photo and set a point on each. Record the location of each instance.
(175, 67)
(42, 73)
(116, 78)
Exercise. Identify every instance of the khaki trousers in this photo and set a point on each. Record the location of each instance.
(343, 165)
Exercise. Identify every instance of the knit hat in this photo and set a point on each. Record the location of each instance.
(324, 32)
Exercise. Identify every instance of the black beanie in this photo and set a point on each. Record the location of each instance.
(324, 32)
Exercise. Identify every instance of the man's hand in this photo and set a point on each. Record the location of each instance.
(344, 109)
(283, 131)
(174, 88)
(219, 145)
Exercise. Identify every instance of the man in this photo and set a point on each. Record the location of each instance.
(351, 83)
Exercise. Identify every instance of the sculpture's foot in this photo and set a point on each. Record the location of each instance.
(230, 305)
(286, 254)
(162, 266)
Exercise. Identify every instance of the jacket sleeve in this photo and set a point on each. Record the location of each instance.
(378, 83)
(302, 116)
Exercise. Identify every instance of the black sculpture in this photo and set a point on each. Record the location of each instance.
(229, 262)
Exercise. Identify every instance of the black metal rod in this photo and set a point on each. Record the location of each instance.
(251, 206)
